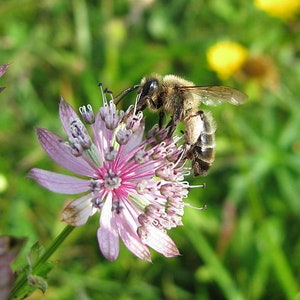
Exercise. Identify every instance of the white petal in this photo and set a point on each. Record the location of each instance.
(59, 183)
(158, 240)
(77, 212)
(108, 237)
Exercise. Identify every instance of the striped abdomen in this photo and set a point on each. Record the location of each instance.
(200, 136)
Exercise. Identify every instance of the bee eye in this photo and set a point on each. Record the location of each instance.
(150, 88)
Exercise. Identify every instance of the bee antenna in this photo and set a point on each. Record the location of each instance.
(122, 94)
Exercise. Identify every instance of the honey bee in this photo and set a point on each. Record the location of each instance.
(180, 98)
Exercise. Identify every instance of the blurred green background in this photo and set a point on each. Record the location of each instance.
(246, 244)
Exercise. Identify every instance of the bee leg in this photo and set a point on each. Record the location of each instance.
(177, 114)
(171, 126)
(174, 121)
(161, 116)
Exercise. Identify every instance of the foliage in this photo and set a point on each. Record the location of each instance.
(246, 244)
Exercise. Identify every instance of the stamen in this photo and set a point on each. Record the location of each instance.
(179, 159)
(110, 154)
(112, 180)
(116, 207)
(80, 134)
(123, 136)
(75, 147)
(111, 120)
(137, 99)
(87, 114)
(203, 186)
(102, 94)
(194, 207)
(97, 202)
(141, 156)
(95, 185)
(110, 115)
(133, 122)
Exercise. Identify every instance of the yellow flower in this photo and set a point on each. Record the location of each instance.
(283, 9)
(226, 58)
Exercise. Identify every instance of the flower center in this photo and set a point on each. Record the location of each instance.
(112, 180)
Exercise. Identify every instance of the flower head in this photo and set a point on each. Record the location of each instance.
(136, 184)
(226, 58)
(282, 9)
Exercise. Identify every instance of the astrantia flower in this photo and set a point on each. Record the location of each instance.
(137, 185)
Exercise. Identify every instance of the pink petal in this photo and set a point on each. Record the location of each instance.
(128, 234)
(59, 183)
(57, 149)
(77, 212)
(108, 237)
(158, 240)
(67, 115)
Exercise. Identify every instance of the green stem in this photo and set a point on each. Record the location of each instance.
(22, 281)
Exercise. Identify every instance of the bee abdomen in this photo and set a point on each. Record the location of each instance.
(202, 152)
(206, 140)
(202, 159)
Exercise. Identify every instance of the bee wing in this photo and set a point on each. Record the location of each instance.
(215, 95)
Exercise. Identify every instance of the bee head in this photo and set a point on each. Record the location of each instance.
(149, 94)
(149, 88)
